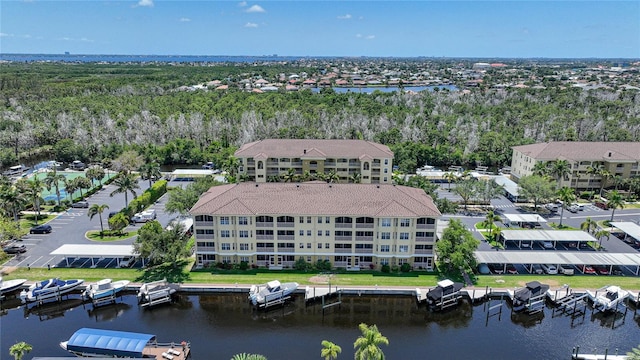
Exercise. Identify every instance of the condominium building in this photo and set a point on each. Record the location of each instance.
(618, 158)
(351, 225)
(363, 161)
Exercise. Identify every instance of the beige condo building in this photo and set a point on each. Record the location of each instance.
(354, 226)
(619, 158)
(262, 160)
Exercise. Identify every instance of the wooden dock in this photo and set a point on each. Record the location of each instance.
(168, 352)
(319, 292)
(575, 355)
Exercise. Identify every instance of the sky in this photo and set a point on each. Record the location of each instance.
(491, 29)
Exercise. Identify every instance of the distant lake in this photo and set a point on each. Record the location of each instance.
(370, 89)
(221, 325)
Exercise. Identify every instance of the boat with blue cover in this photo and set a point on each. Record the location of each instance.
(49, 289)
(89, 342)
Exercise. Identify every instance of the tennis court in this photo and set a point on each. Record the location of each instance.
(50, 195)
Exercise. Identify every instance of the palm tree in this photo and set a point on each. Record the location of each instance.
(600, 234)
(289, 176)
(97, 209)
(591, 172)
(566, 195)
(560, 169)
(125, 183)
(617, 181)
(489, 219)
(540, 168)
(12, 201)
(150, 171)
(18, 350)
(368, 344)
(356, 178)
(615, 201)
(34, 192)
(634, 354)
(332, 177)
(330, 350)
(450, 177)
(604, 176)
(53, 179)
(70, 187)
(82, 182)
(95, 173)
(245, 356)
(589, 225)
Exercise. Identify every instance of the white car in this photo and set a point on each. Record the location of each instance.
(550, 269)
(573, 208)
(547, 244)
(566, 270)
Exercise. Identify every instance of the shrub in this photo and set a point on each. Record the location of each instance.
(301, 264)
(405, 268)
(243, 265)
(386, 268)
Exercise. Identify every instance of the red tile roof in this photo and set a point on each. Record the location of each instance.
(582, 150)
(315, 198)
(295, 148)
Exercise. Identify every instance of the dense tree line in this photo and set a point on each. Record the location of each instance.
(92, 112)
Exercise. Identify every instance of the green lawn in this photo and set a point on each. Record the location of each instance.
(341, 279)
(95, 236)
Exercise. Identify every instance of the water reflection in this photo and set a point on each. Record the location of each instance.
(108, 312)
(52, 310)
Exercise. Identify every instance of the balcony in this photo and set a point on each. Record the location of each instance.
(286, 224)
(364, 238)
(343, 251)
(343, 226)
(329, 164)
(364, 251)
(205, 236)
(264, 224)
(205, 249)
(344, 238)
(286, 237)
(264, 237)
(364, 226)
(286, 250)
(203, 224)
(272, 163)
(265, 250)
(296, 163)
(425, 226)
(424, 239)
(423, 251)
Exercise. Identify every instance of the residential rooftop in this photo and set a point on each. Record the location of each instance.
(582, 150)
(316, 198)
(299, 148)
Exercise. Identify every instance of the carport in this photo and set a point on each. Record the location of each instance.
(94, 251)
(555, 236)
(509, 186)
(559, 258)
(629, 228)
(521, 219)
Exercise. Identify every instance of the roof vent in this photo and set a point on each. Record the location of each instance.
(297, 185)
(256, 185)
(305, 151)
(609, 153)
(378, 186)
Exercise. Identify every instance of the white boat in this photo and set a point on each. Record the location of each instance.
(156, 292)
(608, 298)
(49, 289)
(10, 285)
(87, 342)
(104, 289)
(273, 290)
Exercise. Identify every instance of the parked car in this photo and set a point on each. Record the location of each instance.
(537, 269)
(615, 270)
(511, 269)
(80, 204)
(143, 217)
(484, 269)
(551, 207)
(602, 269)
(41, 229)
(579, 206)
(589, 270)
(496, 268)
(566, 270)
(127, 261)
(113, 213)
(550, 269)
(547, 244)
(15, 249)
(601, 205)
(573, 208)
(526, 244)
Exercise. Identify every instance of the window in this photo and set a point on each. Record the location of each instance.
(405, 222)
(384, 261)
(308, 258)
(319, 245)
(204, 231)
(308, 232)
(385, 235)
(386, 161)
(225, 233)
(327, 246)
(384, 248)
(403, 248)
(301, 220)
(244, 259)
(224, 220)
(319, 219)
(386, 170)
(204, 218)
(206, 244)
(301, 232)
(386, 222)
(327, 220)
(244, 246)
(243, 220)
(327, 233)
(404, 236)
(308, 219)
(226, 246)
(244, 233)
(301, 245)
(308, 245)
(319, 232)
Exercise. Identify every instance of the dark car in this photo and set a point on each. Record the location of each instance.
(15, 249)
(41, 229)
(496, 269)
(602, 270)
(113, 213)
(80, 204)
(511, 269)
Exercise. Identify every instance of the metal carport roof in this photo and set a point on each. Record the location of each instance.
(525, 218)
(558, 257)
(94, 250)
(630, 228)
(546, 235)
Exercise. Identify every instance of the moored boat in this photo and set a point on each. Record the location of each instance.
(608, 298)
(530, 297)
(7, 286)
(89, 342)
(104, 289)
(49, 289)
(446, 294)
(156, 292)
(272, 291)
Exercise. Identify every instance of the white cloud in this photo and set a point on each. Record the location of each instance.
(84, 39)
(255, 9)
(251, 25)
(148, 3)
(358, 35)
(242, 3)
(184, 19)
(6, 35)
(367, 37)
(344, 17)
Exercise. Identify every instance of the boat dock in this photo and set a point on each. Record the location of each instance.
(168, 352)
(575, 355)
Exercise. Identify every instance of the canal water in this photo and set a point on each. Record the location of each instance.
(221, 325)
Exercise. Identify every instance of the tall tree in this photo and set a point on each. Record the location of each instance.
(567, 196)
(289, 175)
(128, 161)
(53, 180)
(614, 202)
(34, 192)
(589, 225)
(96, 209)
(12, 201)
(70, 187)
(451, 177)
(601, 234)
(536, 189)
(161, 245)
(125, 183)
(18, 350)
(591, 172)
(330, 351)
(96, 173)
(605, 175)
(368, 344)
(488, 190)
(540, 168)
(150, 171)
(466, 189)
(560, 169)
(457, 247)
(82, 183)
